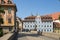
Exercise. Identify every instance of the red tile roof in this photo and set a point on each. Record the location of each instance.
(28, 20)
(54, 15)
(30, 17)
(43, 18)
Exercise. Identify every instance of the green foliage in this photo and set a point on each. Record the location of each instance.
(1, 32)
(1, 20)
(1, 10)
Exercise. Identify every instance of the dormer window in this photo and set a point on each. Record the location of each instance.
(9, 2)
(2, 1)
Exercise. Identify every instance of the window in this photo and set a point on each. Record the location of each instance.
(39, 21)
(50, 29)
(25, 25)
(10, 29)
(2, 2)
(42, 26)
(39, 25)
(47, 30)
(45, 26)
(44, 29)
(9, 2)
(50, 25)
(33, 25)
(9, 20)
(28, 25)
(9, 10)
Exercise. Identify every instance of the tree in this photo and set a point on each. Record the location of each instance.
(1, 12)
(1, 20)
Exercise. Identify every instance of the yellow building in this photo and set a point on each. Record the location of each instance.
(9, 17)
(56, 26)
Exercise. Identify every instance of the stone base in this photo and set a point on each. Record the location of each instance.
(7, 29)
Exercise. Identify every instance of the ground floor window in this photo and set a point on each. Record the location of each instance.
(44, 29)
(10, 29)
(50, 29)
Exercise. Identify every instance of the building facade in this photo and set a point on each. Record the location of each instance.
(38, 23)
(9, 17)
(29, 23)
(56, 25)
(44, 23)
(19, 23)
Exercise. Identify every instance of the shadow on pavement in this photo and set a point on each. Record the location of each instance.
(24, 35)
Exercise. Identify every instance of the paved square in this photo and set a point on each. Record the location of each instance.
(32, 36)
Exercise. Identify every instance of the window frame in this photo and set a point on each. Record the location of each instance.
(9, 10)
(9, 20)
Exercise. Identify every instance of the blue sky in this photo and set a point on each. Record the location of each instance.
(42, 7)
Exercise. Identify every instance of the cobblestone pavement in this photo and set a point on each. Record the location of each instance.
(32, 36)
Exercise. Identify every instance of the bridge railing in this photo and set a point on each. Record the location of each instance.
(14, 36)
